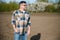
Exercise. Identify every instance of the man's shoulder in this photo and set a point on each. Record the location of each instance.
(15, 12)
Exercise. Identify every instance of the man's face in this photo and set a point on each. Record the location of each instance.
(23, 6)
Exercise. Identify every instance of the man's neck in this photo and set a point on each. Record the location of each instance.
(21, 10)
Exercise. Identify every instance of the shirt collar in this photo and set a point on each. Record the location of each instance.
(22, 12)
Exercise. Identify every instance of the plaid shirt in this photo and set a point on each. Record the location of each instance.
(21, 18)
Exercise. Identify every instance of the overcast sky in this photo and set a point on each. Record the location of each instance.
(28, 1)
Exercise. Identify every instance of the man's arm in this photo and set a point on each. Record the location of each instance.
(29, 25)
(29, 30)
(14, 22)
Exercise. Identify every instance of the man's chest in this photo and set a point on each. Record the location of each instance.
(21, 16)
(21, 19)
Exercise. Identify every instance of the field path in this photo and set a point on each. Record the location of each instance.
(47, 25)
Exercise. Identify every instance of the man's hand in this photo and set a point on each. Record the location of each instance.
(28, 30)
(16, 30)
(28, 33)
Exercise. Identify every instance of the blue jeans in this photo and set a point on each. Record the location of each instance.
(17, 36)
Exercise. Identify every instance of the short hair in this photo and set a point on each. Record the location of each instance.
(22, 2)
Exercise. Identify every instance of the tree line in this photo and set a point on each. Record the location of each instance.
(11, 6)
(8, 6)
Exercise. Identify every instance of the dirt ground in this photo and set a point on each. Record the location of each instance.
(47, 25)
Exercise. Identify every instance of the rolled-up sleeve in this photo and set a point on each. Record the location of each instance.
(13, 22)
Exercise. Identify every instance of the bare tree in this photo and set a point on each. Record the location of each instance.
(42, 0)
(59, 2)
(2, 1)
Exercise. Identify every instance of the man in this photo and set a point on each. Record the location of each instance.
(21, 22)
